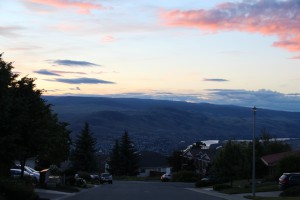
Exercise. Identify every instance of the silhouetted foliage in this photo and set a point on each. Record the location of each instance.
(124, 157)
(178, 162)
(234, 160)
(27, 126)
(84, 153)
(288, 165)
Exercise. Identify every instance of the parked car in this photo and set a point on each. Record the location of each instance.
(95, 178)
(35, 174)
(288, 180)
(81, 182)
(16, 173)
(166, 177)
(106, 178)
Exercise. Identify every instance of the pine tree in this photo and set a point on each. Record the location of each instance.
(84, 154)
(114, 161)
(124, 158)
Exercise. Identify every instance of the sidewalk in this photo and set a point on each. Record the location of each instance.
(52, 194)
(211, 192)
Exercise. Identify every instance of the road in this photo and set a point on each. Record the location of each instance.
(131, 190)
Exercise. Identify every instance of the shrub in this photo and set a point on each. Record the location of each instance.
(220, 187)
(17, 189)
(291, 192)
(85, 175)
(201, 183)
(185, 176)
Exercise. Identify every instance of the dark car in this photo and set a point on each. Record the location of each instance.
(106, 178)
(288, 180)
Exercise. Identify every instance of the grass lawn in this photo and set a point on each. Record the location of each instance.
(243, 186)
(273, 198)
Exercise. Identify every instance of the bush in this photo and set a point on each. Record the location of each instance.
(220, 187)
(201, 183)
(291, 192)
(12, 189)
(85, 175)
(185, 176)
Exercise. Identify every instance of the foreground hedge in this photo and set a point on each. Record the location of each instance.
(13, 189)
(185, 176)
(291, 192)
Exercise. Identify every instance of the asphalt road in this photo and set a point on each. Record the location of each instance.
(131, 190)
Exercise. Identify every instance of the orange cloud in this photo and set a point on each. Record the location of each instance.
(267, 17)
(83, 7)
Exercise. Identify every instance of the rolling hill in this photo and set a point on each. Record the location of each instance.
(163, 126)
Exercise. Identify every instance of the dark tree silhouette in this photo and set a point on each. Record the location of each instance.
(124, 157)
(27, 125)
(84, 153)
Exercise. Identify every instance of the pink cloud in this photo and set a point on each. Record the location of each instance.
(295, 57)
(267, 17)
(83, 7)
(108, 39)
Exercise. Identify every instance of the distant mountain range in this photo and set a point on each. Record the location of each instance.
(163, 126)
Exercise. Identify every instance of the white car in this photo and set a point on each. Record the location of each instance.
(106, 178)
(33, 173)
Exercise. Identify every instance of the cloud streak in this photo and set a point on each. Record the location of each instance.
(83, 81)
(9, 31)
(81, 6)
(46, 72)
(215, 79)
(267, 17)
(73, 63)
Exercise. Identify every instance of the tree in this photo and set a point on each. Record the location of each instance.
(115, 160)
(289, 164)
(176, 161)
(84, 153)
(27, 123)
(7, 146)
(231, 162)
(59, 137)
(124, 158)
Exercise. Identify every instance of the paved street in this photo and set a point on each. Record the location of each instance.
(135, 191)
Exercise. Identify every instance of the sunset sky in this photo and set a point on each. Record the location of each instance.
(235, 52)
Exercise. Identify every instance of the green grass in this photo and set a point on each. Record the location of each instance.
(243, 186)
(272, 198)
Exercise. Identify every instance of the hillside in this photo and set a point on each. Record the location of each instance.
(162, 125)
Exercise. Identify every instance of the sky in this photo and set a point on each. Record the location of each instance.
(238, 52)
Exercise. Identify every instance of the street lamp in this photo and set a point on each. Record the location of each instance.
(253, 152)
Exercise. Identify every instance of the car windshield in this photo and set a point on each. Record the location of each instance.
(105, 175)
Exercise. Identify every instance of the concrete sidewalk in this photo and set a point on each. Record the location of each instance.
(211, 192)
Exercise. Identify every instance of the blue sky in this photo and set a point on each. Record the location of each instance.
(235, 52)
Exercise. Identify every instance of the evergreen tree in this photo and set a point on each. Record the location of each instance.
(129, 157)
(124, 158)
(114, 161)
(84, 153)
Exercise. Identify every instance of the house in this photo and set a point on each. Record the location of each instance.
(272, 160)
(201, 156)
(152, 164)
